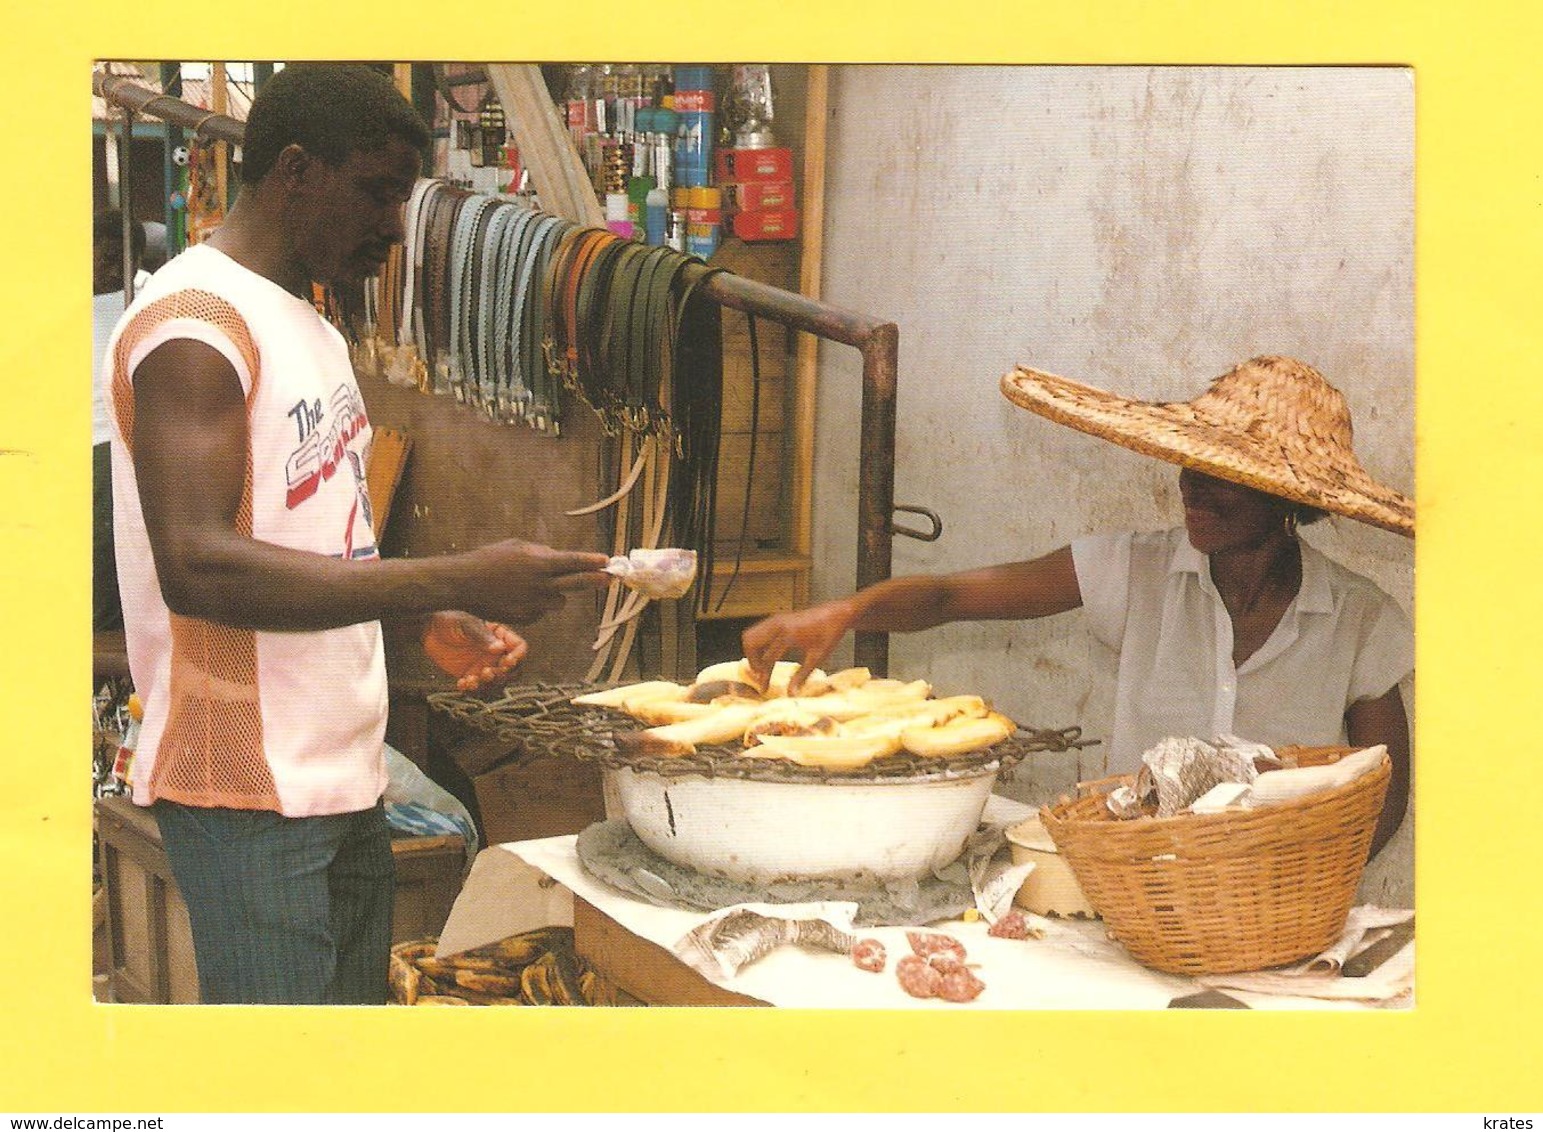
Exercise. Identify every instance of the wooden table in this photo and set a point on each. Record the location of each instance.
(643, 969)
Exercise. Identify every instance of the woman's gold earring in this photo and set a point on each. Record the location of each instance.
(1291, 524)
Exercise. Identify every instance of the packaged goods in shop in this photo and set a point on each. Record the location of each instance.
(779, 225)
(757, 196)
(741, 165)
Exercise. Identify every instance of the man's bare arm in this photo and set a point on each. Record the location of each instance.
(189, 444)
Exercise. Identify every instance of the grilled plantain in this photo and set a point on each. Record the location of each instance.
(616, 697)
(482, 982)
(597, 989)
(403, 979)
(833, 752)
(958, 736)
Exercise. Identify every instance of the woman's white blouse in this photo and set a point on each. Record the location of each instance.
(1149, 597)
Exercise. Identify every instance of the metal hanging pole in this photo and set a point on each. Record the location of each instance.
(176, 234)
(143, 100)
(126, 201)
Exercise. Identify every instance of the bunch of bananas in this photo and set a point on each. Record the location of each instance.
(535, 968)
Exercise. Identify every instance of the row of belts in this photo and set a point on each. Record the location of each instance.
(504, 306)
(498, 335)
(631, 338)
(485, 253)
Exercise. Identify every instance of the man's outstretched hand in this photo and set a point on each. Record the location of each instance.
(476, 652)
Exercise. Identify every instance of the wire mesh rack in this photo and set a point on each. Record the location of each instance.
(542, 721)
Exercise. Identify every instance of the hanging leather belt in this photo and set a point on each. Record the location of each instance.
(412, 258)
(436, 316)
(535, 326)
(497, 295)
(551, 304)
(488, 275)
(696, 395)
(462, 242)
(514, 395)
(472, 325)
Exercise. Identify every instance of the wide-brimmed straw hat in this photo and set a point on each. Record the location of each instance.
(1271, 423)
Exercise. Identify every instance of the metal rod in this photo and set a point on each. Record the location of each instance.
(797, 311)
(876, 482)
(126, 201)
(142, 100)
(176, 226)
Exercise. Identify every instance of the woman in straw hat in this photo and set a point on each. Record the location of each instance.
(1227, 625)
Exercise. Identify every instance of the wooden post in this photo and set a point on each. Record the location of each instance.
(218, 102)
(545, 146)
(807, 360)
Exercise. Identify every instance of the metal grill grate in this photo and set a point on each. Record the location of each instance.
(541, 721)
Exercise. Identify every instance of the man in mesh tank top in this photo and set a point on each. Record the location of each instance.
(252, 587)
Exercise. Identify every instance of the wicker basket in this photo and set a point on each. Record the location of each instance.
(1207, 894)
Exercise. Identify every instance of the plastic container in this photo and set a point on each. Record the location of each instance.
(616, 218)
(656, 215)
(1051, 889)
(638, 189)
(704, 221)
(666, 123)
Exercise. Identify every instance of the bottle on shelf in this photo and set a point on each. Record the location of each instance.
(656, 215)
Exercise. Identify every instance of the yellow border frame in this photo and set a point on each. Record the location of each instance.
(1469, 1046)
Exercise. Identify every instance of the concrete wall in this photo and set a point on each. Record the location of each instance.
(1139, 228)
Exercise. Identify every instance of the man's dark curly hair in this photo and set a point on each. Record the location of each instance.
(330, 110)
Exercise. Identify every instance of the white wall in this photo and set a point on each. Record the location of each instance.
(1139, 228)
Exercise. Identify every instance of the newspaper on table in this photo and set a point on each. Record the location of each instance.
(1389, 984)
(732, 938)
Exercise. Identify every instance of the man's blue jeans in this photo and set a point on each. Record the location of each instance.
(284, 910)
